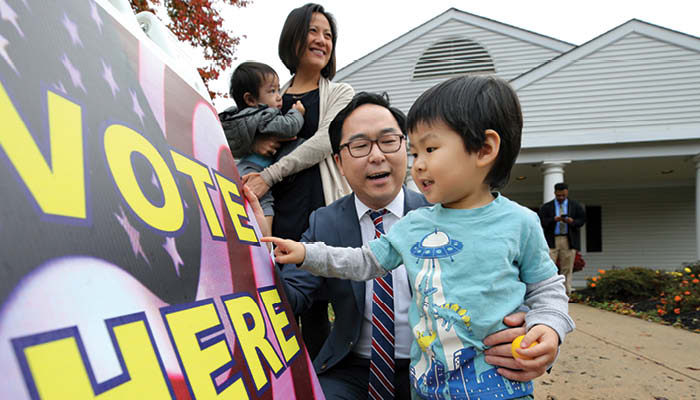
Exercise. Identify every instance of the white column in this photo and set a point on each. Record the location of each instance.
(553, 172)
(697, 205)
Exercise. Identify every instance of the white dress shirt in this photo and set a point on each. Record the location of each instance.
(402, 294)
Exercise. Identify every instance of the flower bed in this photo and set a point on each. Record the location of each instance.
(671, 298)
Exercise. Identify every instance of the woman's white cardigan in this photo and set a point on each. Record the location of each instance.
(317, 149)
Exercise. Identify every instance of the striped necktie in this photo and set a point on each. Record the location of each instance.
(562, 225)
(381, 375)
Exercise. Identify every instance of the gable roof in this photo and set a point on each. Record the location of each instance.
(636, 83)
(632, 26)
(458, 15)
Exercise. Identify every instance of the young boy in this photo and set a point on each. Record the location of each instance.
(255, 88)
(472, 258)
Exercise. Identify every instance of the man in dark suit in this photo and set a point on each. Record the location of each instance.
(368, 142)
(561, 220)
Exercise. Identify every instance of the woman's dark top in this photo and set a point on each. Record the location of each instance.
(298, 195)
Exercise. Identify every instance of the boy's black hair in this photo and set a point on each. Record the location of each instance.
(470, 105)
(560, 186)
(292, 42)
(335, 130)
(248, 77)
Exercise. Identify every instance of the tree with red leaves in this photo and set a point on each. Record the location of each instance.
(199, 23)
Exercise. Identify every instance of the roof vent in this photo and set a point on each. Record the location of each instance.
(453, 57)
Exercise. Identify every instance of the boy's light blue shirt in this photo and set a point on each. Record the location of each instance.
(469, 269)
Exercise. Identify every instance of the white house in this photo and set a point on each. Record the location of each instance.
(617, 118)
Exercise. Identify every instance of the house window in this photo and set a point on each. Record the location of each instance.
(594, 231)
(453, 57)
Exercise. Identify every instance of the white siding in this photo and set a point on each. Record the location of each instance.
(653, 227)
(393, 72)
(632, 83)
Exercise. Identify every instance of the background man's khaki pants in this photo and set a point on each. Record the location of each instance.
(565, 255)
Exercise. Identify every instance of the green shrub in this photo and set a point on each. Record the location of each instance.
(627, 285)
(673, 297)
(682, 296)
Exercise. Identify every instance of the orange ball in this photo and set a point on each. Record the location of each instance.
(516, 345)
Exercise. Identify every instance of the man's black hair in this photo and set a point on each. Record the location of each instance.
(248, 77)
(470, 105)
(335, 130)
(294, 34)
(561, 186)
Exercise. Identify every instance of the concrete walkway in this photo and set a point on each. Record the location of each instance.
(612, 356)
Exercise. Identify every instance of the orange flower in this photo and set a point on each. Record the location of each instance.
(592, 284)
(661, 312)
(594, 279)
(601, 271)
(677, 310)
(695, 280)
(685, 282)
(687, 293)
(677, 298)
(663, 301)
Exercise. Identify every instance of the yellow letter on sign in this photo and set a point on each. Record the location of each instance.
(201, 179)
(56, 364)
(234, 205)
(280, 323)
(248, 322)
(121, 143)
(58, 189)
(198, 338)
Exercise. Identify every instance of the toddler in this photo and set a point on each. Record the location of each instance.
(255, 88)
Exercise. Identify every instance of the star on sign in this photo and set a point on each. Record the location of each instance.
(59, 86)
(8, 14)
(95, 15)
(3, 53)
(72, 29)
(107, 75)
(171, 248)
(134, 235)
(136, 108)
(73, 72)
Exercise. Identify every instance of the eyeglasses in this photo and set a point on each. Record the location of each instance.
(359, 148)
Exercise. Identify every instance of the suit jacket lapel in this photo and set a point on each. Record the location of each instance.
(350, 235)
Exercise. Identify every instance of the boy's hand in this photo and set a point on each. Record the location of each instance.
(543, 352)
(287, 251)
(500, 355)
(299, 107)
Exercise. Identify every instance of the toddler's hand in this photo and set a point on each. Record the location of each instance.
(547, 346)
(287, 251)
(299, 107)
(257, 210)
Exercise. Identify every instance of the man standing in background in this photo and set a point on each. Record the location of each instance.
(561, 220)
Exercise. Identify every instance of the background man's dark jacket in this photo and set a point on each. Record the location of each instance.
(576, 211)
